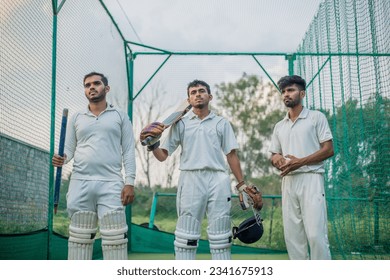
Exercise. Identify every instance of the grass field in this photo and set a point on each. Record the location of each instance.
(145, 256)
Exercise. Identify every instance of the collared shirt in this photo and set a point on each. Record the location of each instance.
(301, 137)
(100, 144)
(204, 143)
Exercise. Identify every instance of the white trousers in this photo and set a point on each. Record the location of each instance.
(305, 217)
(204, 192)
(96, 196)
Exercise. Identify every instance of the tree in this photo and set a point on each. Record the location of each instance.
(150, 108)
(361, 140)
(253, 107)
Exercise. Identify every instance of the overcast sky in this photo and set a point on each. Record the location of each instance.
(216, 25)
(211, 26)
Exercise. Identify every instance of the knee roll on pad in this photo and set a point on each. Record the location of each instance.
(219, 232)
(113, 229)
(82, 231)
(187, 232)
(83, 227)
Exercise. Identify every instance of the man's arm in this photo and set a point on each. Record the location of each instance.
(252, 193)
(128, 150)
(235, 166)
(160, 154)
(70, 140)
(325, 151)
(128, 153)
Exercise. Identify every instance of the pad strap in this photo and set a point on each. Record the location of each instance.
(187, 232)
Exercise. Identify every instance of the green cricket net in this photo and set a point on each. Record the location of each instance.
(352, 88)
(48, 46)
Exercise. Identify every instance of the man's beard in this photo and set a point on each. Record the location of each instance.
(199, 106)
(97, 98)
(292, 103)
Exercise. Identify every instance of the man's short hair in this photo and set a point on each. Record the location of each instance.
(291, 80)
(195, 83)
(104, 78)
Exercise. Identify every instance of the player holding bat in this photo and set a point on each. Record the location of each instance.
(99, 139)
(204, 183)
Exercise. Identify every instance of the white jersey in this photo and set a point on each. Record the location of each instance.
(302, 137)
(99, 146)
(204, 142)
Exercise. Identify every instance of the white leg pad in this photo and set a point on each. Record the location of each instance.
(82, 231)
(220, 238)
(187, 234)
(113, 229)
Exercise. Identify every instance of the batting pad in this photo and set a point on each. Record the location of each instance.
(113, 229)
(187, 234)
(220, 238)
(82, 231)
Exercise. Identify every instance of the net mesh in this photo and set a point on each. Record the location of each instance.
(353, 90)
(344, 57)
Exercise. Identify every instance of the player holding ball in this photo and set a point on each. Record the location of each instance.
(300, 143)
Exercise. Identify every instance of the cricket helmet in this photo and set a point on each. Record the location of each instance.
(249, 231)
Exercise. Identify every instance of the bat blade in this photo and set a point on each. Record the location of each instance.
(181, 110)
(174, 117)
(61, 153)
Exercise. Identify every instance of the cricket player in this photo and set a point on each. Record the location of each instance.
(100, 140)
(207, 142)
(300, 143)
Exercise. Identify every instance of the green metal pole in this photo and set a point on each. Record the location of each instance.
(379, 115)
(154, 206)
(130, 75)
(153, 210)
(130, 80)
(52, 129)
(151, 77)
(265, 71)
(290, 58)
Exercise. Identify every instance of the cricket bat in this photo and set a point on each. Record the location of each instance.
(61, 153)
(181, 110)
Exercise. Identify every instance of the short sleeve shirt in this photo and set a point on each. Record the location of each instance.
(204, 143)
(302, 137)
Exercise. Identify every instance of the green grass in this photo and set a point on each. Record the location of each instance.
(145, 256)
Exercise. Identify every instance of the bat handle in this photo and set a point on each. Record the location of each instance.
(61, 153)
(146, 141)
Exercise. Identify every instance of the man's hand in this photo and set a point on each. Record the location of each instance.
(256, 196)
(127, 195)
(249, 195)
(291, 163)
(278, 160)
(154, 130)
(58, 160)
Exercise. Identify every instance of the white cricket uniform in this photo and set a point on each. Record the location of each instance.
(99, 146)
(204, 183)
(303, 194)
